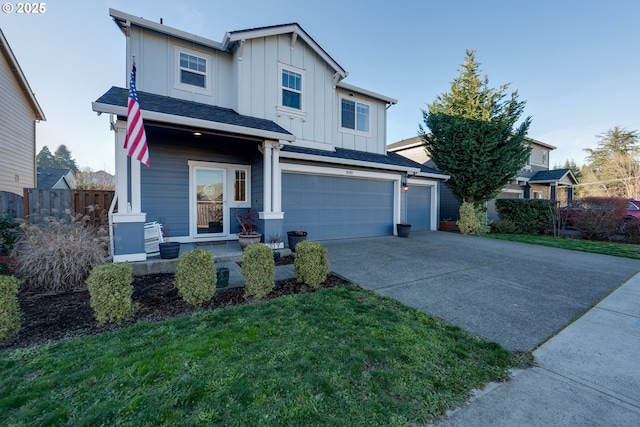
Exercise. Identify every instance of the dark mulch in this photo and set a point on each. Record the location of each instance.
(49, 318)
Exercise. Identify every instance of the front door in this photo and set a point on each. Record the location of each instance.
(210, 207)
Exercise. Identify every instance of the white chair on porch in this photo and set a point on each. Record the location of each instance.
(152, 238)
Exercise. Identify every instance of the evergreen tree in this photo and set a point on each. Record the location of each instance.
(613, 141)
(64, 159)
(45, 159)
(472, 135)
(613, 168)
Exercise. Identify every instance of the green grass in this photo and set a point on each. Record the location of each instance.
(339, 356)
(606, 248)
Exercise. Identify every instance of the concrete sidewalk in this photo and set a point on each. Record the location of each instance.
(587, 375)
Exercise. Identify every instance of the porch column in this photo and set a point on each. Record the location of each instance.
(128, 222)
(272, 203)
(267, 177)
(277, 180)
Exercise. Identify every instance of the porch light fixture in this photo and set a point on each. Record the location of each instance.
(405, 187)
(197, 134)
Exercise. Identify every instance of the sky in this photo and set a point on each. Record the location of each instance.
(575, 63)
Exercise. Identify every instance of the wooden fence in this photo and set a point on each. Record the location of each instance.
(59, 204)
(11, 204)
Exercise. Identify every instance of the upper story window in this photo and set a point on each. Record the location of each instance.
(354, 115)
(291, 89)
(193, 71)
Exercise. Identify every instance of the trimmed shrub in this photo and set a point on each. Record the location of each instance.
(110, 291)
(258, 270)
(530, 216)
(473, 220)
(598, 218)
(311, 264)
(59, 255)
(504, 226)
(9, 307)
(196, 277)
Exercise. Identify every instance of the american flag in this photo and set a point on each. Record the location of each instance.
(136, 139)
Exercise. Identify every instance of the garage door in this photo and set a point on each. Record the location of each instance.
(419, 207)
(329, 207)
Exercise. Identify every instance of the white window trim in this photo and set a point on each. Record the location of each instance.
(357, 101)
(301, 113)
(177, 84)
(228, 201)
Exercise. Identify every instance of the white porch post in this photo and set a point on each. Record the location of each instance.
(277, 180)
(267, 176)
(128, 222)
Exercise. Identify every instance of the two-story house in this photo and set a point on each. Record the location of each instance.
(19, 113)
(534, 181)
(261, 120)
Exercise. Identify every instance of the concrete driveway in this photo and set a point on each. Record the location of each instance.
(515, 294)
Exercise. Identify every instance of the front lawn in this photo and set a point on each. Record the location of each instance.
(605, 248)
(338, 356)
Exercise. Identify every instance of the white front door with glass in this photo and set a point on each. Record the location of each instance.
(215, 189)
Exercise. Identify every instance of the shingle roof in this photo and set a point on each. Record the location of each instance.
(390, 159)
(164, 104)
(551, 175)
(48, 177)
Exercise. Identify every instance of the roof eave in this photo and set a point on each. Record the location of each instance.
(341, 161)
(236, 36)
(361, 91)
(198, 123)
(123, 20)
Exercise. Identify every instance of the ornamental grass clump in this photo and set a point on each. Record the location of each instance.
(110, 292)
(59, 255)
(195, 277)
(9, 307)
(258, 270)
(311, 264)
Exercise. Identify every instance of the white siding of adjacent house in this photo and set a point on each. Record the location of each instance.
(17, 134)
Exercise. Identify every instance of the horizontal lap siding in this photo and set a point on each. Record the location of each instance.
(165, 184)
(419, 207)
(334, 207)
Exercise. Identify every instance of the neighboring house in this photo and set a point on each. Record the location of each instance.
(56, 179)
(261, 120)
(19, 113)
(535, 180)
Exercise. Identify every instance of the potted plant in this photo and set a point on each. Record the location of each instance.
(168, 250)
(295, 237)
(275, 243)
(403, 229)
(248, 228)
(215, 223)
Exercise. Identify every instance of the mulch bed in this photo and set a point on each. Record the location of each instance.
(48, 318)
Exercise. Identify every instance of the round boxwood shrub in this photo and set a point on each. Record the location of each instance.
(9, 307)
(196, 277)
(258, 270)
(110, 292)
(311, 264)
